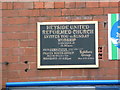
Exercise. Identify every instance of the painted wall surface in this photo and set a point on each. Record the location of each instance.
(19, 39)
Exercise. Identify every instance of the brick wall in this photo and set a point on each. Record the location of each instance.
(19, 39)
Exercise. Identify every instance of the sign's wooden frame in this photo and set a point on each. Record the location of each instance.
(39, 66)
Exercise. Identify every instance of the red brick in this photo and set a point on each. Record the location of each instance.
(7, 5)
(19, 28)
(108, 78)
(92, 11)
(4, 5)
(4, 51)
(15, 36)
(100, 18)
(105, 57)
(24, 43)
(49, 4)
(9, 13)
(29, 73)
(4, 67)
(27, 28)
(13, 74)
(31, 28)
(1, 18)
(0, 5)
(18, 20)
(90, 72)
(102, 34)
(0, 12)
(70, 4)
(106, 64)
(66, 12)
(29, 13)
(59, 4)
(30, 79)
(112, 72)
(92, 4)
(17, 66)
(101, 72)
(38, 5)
(50, 12)
(24, 28)
(113, 4)
(72, 72)
(79, 78)
(40, 79)
(10, 28)
(4, 74)
(106, 41)
(111, 10)
(59, 19)
(105, 50)
(30, 51)
(31, 43)
(65, 78)
(23, 5)
(117, 63)
(101, 42)
(33, 20)
(32, 35)
(33, 65)
(106, 31)
(101, 26)
(28, 58)
(82, 18)
(80, 4)
(18, 80)
(52, 73)
(17, 51)
(11, 59)
(10, 43)
(104, 4)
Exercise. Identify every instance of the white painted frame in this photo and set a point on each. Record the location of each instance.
(39, 66)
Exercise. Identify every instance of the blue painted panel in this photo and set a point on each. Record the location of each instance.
(63, 83)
